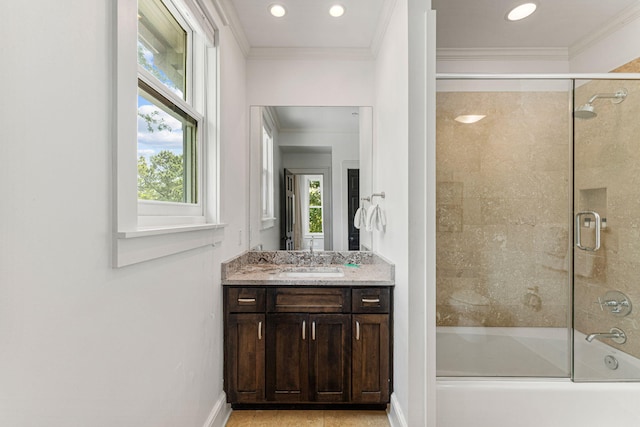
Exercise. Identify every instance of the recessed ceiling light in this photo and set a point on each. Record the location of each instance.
(277, 10)
(521, 12)
(469, 118)
(336, 10)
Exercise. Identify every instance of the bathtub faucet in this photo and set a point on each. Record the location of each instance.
(617, 335)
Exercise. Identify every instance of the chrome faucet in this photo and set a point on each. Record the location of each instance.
(617, 335)
(311, 246)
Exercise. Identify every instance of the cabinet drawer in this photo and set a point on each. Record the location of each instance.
(245, 300)
(309, 300)
(370, 300)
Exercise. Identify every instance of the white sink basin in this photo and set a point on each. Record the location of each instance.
(312, 272)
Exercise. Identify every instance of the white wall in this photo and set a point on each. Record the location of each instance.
(390, 174)
(611, 51)
(310, 82)
(503, 65)
(83, 344)
(265, 235)
(365, 164)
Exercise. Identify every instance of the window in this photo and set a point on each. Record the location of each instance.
(167, 150)
(166, 154)
(169, 172)
(267, 176)
(162, 46)
(314, 202)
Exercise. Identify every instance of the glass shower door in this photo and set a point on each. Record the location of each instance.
(606, 230)
(503, 235)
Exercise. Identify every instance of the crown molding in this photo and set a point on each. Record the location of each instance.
(619, 21)
(501, 54)
(274, 116)
(383, 23)
(316, 53)
(219, 10)
(230, 16)
(318, 131)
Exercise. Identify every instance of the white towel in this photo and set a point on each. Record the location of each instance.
(376, 219)
(360, 218)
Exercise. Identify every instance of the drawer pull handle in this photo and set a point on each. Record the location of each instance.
(246, 300)
(313, 330)
(304, 326)
(357, 331)
(371, 300)
(260, 330)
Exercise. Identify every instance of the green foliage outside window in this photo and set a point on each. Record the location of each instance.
(161, 178)
(315, 220)
(315, 207)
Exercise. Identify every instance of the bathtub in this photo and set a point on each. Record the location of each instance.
(515, 400)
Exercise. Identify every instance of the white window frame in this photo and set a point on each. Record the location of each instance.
(150, 212)
(145, 230)
(267, 177)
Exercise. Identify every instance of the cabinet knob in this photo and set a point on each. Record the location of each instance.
(246, 300)
(313, 330)
(371, 300)
(357, 331)
(260, 330)
(304, 327)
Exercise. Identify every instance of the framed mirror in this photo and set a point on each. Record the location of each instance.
(309, 168)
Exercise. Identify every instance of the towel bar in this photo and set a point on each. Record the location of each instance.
(368, 199)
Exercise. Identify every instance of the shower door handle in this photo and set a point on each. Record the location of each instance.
(579, 216)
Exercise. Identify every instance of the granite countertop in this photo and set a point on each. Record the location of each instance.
(264, 267)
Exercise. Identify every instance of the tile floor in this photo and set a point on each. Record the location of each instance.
(310, 418)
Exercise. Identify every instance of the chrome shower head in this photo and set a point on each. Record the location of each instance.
(585, 111)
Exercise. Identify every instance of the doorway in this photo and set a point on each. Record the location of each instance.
(306, 198)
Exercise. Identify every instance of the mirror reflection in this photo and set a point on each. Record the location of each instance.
(309, 167)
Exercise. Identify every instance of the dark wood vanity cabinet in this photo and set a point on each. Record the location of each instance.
(370, 358)
(308, 358)
(308, 345)
(245, 346)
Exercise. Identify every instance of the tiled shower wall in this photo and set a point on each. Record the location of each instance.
(503, 208)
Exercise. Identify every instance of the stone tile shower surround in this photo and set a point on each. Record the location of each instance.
(607, 179)
(503, 208)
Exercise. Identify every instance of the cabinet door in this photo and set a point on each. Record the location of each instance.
(370, 358)
(329, 362)
(288, 357)
(244, 358)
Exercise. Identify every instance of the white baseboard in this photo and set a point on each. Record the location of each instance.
(220, 413)
(395, 415)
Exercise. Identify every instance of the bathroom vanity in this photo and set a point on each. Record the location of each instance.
(308, 329)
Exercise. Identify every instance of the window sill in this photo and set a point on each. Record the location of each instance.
(268, 223)
(157, 231)
(148, 243)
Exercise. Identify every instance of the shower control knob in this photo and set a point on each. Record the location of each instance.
(617, 303)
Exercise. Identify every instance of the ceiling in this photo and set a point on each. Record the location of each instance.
(555, 24)
(462, 24)
(307, 24)
(318, 119)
